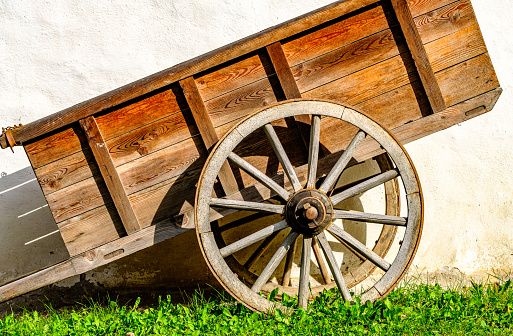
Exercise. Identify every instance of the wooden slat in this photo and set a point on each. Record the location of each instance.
(207, 130)
(110, 175)
(288, 85)
(279, 61)
(419, 55)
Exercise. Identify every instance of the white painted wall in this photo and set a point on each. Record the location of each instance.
(57, 53)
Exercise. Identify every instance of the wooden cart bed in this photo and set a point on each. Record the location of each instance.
(119, 171)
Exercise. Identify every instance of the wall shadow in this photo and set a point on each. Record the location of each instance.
(29, 236)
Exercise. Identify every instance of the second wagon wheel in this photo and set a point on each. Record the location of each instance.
(306, 210)
(250, 261)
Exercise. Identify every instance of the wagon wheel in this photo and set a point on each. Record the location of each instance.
(308, 210)
(242, 265)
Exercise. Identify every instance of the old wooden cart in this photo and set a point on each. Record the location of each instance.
(265, 125)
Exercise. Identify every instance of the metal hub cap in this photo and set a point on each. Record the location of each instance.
(309, 212)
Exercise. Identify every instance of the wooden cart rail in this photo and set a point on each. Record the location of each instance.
(126, 162)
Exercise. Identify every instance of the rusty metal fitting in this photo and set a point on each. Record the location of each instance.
(7, 138)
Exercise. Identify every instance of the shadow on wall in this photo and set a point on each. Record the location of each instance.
(29, 236)
(30, 241)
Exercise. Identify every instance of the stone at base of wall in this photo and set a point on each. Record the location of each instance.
(453, 278)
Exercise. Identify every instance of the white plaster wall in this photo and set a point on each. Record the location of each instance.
(57, 53)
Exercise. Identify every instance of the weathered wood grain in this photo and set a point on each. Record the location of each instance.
(110, 175)
(121, 120)
(467, 79)
(91, 229)
(391, 74)
(78, 198)
(55, 146)
(241, 102)
(321, 41)
(233, 75)
(67, 171)
(282, 68)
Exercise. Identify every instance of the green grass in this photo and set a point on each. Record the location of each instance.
(409, 310)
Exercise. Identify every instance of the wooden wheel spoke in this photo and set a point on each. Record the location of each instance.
(313, 150)
(342, 162)
(252, 238)
(359, 247)
(274, 262)
(258, 175)
(369, 218)
(282, 156)
(285, 281)
(260, 250)
(332, 263)
(250, 206)
(304, 275)
(365, 185)
(320, 261)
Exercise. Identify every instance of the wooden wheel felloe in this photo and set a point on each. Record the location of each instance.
(306, 210)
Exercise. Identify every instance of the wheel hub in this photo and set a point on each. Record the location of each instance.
(309, 212)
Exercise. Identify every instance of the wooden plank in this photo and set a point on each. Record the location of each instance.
(386, 76)
(419, 55)
(186, 69)
(110, 175)
(207, 130)
(453, 115)
(340, 61)
(233, 75)
(342, 32)
(199, 112)
(288, 85)
(140, 112)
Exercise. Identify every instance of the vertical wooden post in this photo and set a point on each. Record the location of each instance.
(419, 55)
(288, 84)
(110, 175)
(207, 130)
